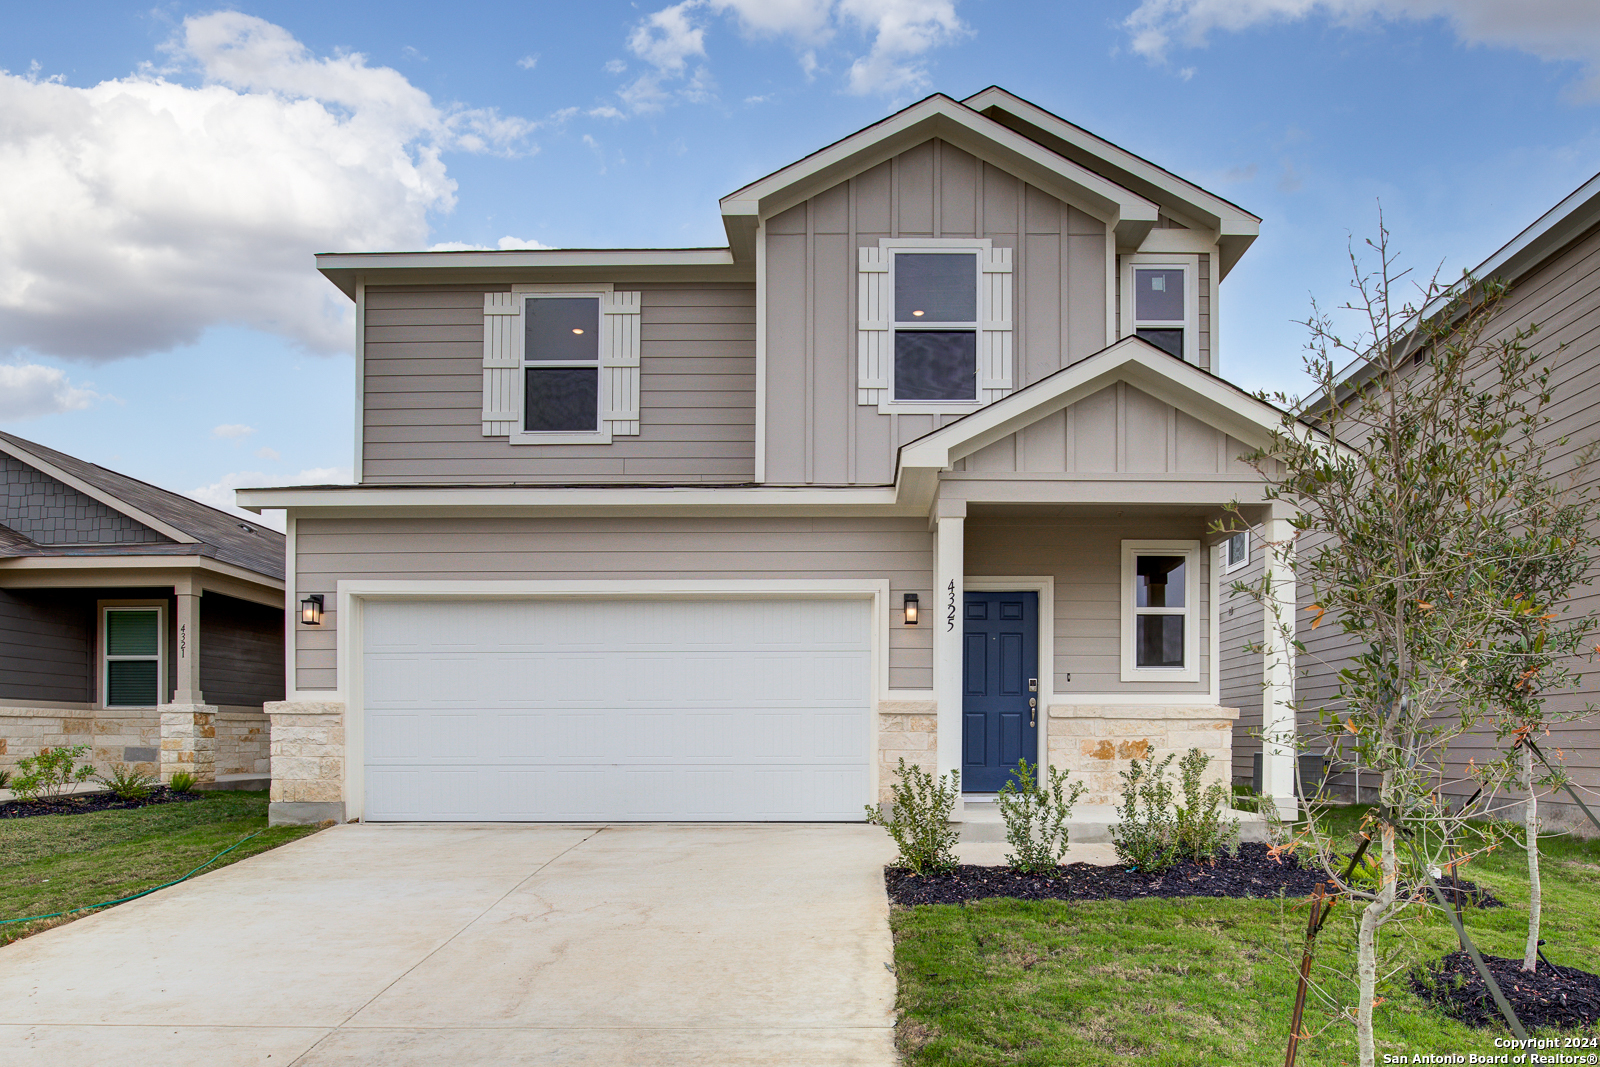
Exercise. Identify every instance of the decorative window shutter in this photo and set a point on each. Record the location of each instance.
(995, 373)
(619, 364)
(502, 362)
(874, 338)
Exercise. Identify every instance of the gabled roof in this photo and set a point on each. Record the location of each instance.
(195, 528)
(1130, 214)
(1212, 400)
(1181, 199)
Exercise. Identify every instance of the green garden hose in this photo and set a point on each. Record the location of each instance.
(136, 896)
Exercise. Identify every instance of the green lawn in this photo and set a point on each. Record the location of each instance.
(1196, 981)
(55, 862)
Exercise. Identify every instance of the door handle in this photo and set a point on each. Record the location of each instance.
(1033, 711)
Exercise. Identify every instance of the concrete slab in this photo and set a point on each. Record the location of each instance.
(482, 944)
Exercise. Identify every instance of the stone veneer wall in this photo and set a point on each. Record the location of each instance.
(114, 735)
(908, 728)
(1093, 742)
(242, 742)
(307, 762)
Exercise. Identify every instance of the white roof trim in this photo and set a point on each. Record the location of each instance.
(1137, 362)
(541, 498)
(942, 117)
(94, 493)
(535, 257)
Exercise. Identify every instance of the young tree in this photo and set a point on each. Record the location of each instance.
(1403, 473)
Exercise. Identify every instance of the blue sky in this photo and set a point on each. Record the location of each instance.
(167, 172)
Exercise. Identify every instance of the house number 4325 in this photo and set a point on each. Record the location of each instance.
(950, 607)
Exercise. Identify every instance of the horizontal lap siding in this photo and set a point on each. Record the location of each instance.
(900, 550)
(424, 379)
(46, 641)
(1086, 560)
(241, 651)
(1240, 625)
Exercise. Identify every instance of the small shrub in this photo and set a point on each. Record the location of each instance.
(1245, 798)
(1145, 835)
(49, 773)
(126, 783)
(5, 779)
(182, 782)
(1201, 830)
(920, 824)
(1036, 818)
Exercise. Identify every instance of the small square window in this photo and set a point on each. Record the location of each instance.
(1158, 582)
(561, 399)
(1158, 641)
(1158, 295)
(935, 365)
(1236, 551)
(935, 287)
(562, 330)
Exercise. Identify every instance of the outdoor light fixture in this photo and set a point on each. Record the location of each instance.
(311, 610)
(911, 609)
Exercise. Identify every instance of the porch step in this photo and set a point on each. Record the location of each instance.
(1090, 824)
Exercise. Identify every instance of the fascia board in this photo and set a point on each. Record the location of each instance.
(345, 270)
(95, 493)
(490, 499)
(1215, 212)
(1188, 389)
(973, 133)
(118, 565)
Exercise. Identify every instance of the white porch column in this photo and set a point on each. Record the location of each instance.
(1277, 665)
(950, 557)
(186, 685)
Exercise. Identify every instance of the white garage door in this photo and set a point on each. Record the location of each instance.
(590, 710)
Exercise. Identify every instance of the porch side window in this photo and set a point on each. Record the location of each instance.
(1236, 552)
(936, 326)
(1160, 617)
(561, 365)
(132, 657)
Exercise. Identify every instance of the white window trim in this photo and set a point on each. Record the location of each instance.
(103, 672)
(993, 371)
(1190, 671)
(601, 435)
(1190, 265)
(1222, 553)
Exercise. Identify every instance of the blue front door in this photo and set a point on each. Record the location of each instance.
(1000, 672)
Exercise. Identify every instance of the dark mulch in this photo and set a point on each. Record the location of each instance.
(1252, 872)
(1549, 998)
(78, 803)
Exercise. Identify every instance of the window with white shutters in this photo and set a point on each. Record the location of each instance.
(934, 325)
(560, 366)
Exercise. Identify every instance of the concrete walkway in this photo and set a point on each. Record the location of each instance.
(412, 945)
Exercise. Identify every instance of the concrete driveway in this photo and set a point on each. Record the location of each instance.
(400, 945)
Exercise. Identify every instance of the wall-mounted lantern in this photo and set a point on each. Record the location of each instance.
(911, 609)
(311, 610)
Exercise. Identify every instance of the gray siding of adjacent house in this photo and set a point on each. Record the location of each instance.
(1240, 625)
(1563, 297)
(816, 432)
(241, 651)
(899, 549)
(46, 646)
(1084, 555)
(423, 393)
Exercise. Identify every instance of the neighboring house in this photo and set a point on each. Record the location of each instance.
(921, 464)
(1553, 269)
(133, 620)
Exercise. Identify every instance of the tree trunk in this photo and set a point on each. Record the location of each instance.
(1373, 916)
(1530, 827)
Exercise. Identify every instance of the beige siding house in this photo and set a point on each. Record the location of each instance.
(920, 465)
(1553, 268)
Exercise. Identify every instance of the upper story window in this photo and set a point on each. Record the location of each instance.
(936, 326)
(561, 364)
(1160, 611)
(1161, 302)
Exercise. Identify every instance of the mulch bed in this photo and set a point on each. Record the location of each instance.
(1552, 997)
(79, 803)
(1251, 872)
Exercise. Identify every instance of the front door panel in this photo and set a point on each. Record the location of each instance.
(1001, 659)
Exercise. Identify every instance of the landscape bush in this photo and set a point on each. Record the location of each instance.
(50, 773)
(920, 820)
(182, 782)
(126, 783)
(1036, 816)
(1145, 835)
(1202, 832)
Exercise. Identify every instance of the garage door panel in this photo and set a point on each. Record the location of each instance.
(605, 710)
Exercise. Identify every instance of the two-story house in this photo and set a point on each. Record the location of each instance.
(921, 464)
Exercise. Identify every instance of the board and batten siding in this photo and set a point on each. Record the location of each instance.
(816, 430)
(422, 394)
(1085, 557)
(899, 549)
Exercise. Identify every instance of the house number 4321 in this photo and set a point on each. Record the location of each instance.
(950, 607)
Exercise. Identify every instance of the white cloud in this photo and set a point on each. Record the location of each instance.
(232, 430)
(529, 62)
(268, 454)
(219, 494)
(1562, 30)
(902, 32)
(504, 243)
(616, 66)
(322, 476)
(140, 211)
(28, 390)
(606, 112)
